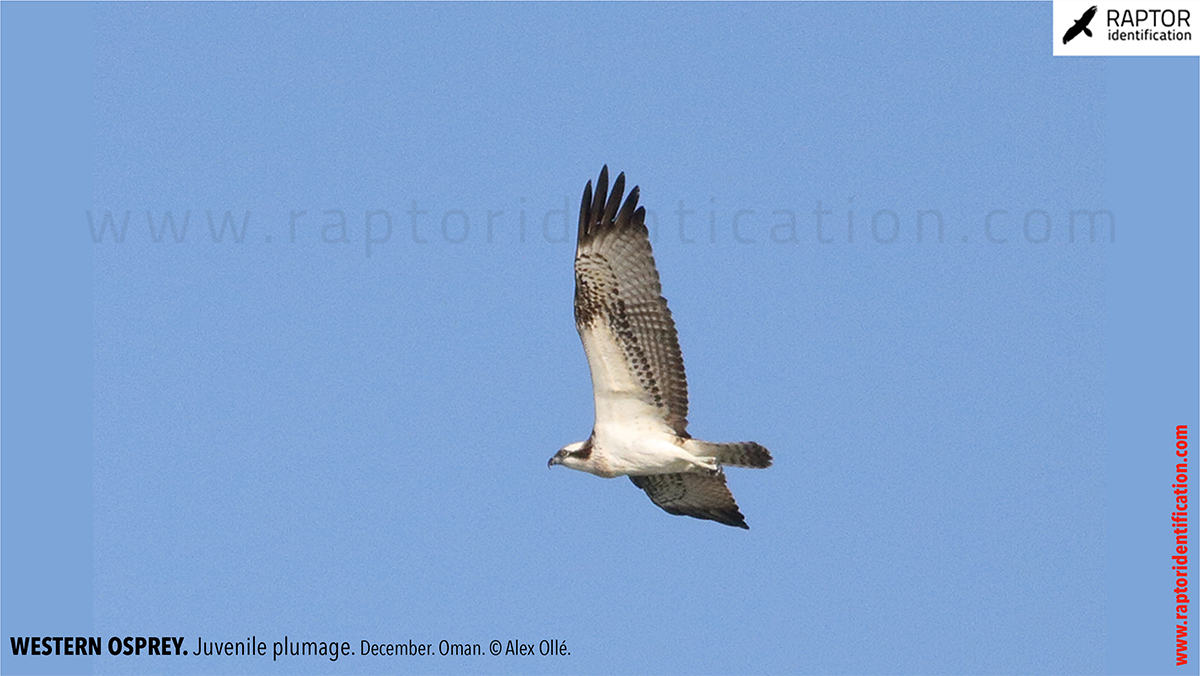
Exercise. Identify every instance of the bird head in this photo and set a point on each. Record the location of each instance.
(574, 455)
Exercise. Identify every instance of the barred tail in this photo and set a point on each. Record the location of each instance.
(738, 454)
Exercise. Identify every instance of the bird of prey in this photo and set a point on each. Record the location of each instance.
(1081, 26)
(638, 380)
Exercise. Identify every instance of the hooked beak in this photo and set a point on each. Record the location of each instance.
(556, 459)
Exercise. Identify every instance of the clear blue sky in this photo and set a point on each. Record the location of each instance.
(324, 428)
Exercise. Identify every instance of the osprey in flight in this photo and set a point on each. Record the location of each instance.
(1080, 26)
(637, 371)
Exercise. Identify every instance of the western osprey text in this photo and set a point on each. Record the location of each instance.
(638, 380)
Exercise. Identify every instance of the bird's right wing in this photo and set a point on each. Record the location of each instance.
(703, 496)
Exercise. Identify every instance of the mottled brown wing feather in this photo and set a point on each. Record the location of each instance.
(703, 496)
(616, 283)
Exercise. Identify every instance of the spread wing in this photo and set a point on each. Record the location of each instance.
(622, 318)
(703, 496)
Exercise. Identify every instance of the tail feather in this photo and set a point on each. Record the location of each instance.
(737, 454)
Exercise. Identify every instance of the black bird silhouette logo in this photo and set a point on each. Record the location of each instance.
(1081, 26)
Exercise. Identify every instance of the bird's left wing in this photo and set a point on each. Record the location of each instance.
(622, 318)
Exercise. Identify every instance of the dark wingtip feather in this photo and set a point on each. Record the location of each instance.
(731, 517)
(628, 210)
(584, 211)
(599, 207)
(600, 196)
(614, 198)
(639, 216)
